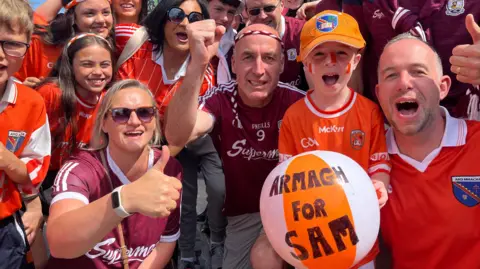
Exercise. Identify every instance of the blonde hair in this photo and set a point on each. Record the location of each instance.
(99, 137)
(17, 15)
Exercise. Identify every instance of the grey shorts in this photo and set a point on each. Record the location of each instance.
(241, 233)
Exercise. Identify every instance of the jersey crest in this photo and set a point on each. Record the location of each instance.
(15, 140)
(357, 139)
(455, 7)
(467, 189)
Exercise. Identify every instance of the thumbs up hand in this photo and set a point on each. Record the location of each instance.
(465, 59)
(154, 194)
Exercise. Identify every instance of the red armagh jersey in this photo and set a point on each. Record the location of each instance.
(83, 178)
(147, 67)
(432, 216)
(23, 131)
(85, 115)
(248, 143)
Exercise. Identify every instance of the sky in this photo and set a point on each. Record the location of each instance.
(35, 3)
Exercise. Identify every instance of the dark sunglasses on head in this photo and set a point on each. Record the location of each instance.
(266, 9)
(177, 15)
(122, 114)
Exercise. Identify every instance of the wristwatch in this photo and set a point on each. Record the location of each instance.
(117, 203)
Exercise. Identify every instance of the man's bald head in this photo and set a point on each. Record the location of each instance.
(399, 41)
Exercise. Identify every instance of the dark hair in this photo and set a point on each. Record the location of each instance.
(63, 28)
(143, 12)
(156, 20)
(63, 76)
(233, 3)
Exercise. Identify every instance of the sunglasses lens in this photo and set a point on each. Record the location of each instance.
(176, 15)
(269, 9)
(195, 16)
(254, 12)
(145, 114)
(121, 115)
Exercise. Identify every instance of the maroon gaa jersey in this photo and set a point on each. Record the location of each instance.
(447, 30)
(247, 141)
(83, 178)
(293, 73)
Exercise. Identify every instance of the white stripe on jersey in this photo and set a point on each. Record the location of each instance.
(170, 238)
(70, 195)
(290, 87)
(63, 175)
(37, 148)
(226, 87)
(378, 167)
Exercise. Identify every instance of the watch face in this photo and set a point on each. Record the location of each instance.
(115, 199)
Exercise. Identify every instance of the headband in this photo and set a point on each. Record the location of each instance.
(85, 35)
(258, 32)
(72, 3)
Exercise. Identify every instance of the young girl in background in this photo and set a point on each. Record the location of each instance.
(84, 70)
(53, 30)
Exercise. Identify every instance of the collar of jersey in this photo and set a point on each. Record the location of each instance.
(10, 94)
(454, 136)
(116, 170)
(330, 114)
(158, 59)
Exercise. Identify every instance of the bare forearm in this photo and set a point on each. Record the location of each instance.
(49, 9)
(160, 256)
(90, 223)
(383, 177)
(17, 172)
(182, 110)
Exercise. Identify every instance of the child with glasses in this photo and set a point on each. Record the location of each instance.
(24, 136)
(117, 204)
(72, 99)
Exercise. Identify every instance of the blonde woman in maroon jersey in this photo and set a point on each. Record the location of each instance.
(117, 204)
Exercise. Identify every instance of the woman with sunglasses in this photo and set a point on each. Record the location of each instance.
(72, 99)
(53, 31)
(116, 206)
(162, 60)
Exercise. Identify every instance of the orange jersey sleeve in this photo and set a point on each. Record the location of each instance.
(379, 159)
(286, 140)
(39, 19)
(39, 59)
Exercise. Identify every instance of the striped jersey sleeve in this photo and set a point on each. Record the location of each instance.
(36, 154)
(71, 181)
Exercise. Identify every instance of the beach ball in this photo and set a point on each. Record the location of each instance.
(319, 209)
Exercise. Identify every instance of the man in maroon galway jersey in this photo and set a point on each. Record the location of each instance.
(269, 12)
(440, 23)
(245, 115)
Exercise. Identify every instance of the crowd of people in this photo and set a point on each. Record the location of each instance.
(110, 114)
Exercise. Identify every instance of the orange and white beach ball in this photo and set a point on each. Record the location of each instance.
(319, 209)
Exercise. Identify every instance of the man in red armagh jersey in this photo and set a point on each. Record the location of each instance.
(432, 217)
(245, 115)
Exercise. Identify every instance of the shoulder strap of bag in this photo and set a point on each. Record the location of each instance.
(133, 45)
(119, 227)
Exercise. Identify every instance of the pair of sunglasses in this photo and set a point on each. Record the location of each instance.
(267, 9)
(177, 15)
(122, 114)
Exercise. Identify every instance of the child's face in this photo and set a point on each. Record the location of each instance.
(94, 16)
(9, 65)
(330, 65)
(92, 67)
